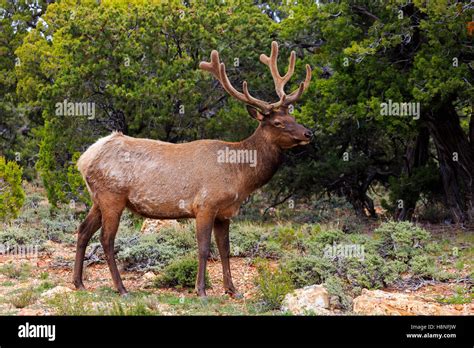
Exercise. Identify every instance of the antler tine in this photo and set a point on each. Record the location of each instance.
(295, 95)
(245, 97)
(264, 106)
(217, 68)
(213, 66)
(272, 63)
(291, 67)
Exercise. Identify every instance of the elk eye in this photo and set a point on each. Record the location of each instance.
(278, 124)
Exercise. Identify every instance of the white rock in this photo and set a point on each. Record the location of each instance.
(149, 277)
(55, 291)
(313, 299)
(378, 302)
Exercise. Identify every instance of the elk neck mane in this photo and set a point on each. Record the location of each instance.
(269, 158)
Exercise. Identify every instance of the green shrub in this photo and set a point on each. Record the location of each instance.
(307, 270)
(17, 236)
(181, 236)
(146, 252)
(70, 304)
(12, 195)
(45, 285)
(398, 248)
(273, 285)
(23, 299)
(422, 266)
(254, 240)
(336, 286)
(434, 212)
(180, 273)
(138, 308)
(15, 271)
(287, 236)
(60, 229)
(326, 237)
(244, 238)
(423, 181)
(462, 296)
(155, 251)
(365, 273)
(392, 271)
(401, 240)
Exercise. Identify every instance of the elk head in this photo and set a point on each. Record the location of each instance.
(275, 119)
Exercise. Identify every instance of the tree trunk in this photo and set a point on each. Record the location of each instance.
(456, 161)
(416, 156)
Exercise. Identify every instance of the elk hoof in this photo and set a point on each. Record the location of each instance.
(201, 293)
(234, 294)
(79, 286)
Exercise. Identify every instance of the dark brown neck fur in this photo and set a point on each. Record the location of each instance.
(269, 156)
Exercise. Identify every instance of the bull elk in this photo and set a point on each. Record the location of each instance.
(160, 180)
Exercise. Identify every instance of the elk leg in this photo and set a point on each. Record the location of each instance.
(204, 223)
(221, 234)
(110, 223)
(86, 230)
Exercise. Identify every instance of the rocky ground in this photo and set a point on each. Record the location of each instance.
(50, 276)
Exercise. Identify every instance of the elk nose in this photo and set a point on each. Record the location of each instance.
(308, 134)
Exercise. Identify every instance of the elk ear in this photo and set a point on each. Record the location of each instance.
(255, 113)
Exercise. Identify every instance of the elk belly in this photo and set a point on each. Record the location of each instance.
(160, 207)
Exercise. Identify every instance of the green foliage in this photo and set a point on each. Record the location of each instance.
(155, 251)
(15, 271)
(273, 285)
(12, 195)
(287, 236)
(422, 266)
(336, 286)
(307, 270)
(146, 252)
(76, 183)
(181, 273)
(18, 121)
(254, 240)
(328, 237)
(18, 236)
(422, 180)
(138, 308)
(66, 304)
(392, 271)
(24, 298)
(401, 240)
(399, 248)
(461, 296)
(60, 230)
(366, 273)
(37, 224)
(45, 285)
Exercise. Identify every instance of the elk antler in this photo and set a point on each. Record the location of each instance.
(217, 68)
(280, 81)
